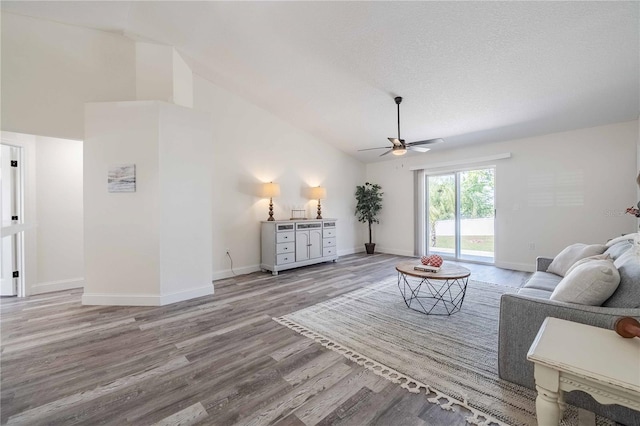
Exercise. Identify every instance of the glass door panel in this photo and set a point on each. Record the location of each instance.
(477, 215)
(441, 230)
(461, 215)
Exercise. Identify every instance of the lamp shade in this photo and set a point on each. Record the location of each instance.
(318, 193)
(270, 190)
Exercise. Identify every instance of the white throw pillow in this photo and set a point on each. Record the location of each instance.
(590, 283)
(588, 259)
(570, 255)
(628, 237)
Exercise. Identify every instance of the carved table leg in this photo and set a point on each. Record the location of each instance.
(547, 407)
(550, 398)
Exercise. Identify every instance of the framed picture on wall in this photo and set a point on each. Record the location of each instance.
(122, 178)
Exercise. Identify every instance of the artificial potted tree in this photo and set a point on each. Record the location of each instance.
(369, 203)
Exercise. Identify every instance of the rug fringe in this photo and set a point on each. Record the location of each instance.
(414, 386)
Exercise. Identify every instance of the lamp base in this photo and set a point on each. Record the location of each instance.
(319, 211)
(271, 219)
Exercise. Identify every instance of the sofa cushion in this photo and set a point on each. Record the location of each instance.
(590, 283)
(618, 249)
(534, 292)
(543, 281)
(571, 254)
(628, 293)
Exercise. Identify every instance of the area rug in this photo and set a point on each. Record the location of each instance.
(452, 359)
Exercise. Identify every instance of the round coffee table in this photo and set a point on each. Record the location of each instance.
(442, 292)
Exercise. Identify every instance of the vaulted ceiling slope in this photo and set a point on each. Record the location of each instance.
(469, 72)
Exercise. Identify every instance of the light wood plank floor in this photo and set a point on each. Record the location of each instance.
(213, 360)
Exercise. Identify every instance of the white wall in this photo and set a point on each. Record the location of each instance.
(59, 213)
(53, 234)
(154, 72)
(555, 190)
(185, 203)
(182, 81)
(49, 70)
(151, 246)
(162, 75)
(252, 146)
(121, 230)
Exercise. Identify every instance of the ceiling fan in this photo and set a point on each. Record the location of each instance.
(399, 146)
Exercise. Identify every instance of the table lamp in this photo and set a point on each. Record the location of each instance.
(318, 193)
(270, 190)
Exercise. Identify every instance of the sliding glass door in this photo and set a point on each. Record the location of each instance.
(461, 215)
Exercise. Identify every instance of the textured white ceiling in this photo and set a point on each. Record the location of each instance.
(469, 72)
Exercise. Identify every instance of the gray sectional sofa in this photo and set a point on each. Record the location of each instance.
(522, 314)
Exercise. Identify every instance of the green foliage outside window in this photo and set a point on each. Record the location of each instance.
(476, 197)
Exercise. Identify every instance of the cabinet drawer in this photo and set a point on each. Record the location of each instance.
(308, 225)
(329, 242)
(285, 247)
(328, 232)
(282, 259)
(284, 237)
(329, 224)
(328, 251)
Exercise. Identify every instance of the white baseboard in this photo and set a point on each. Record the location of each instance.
(396, 252)
(166, 299)
(145, 299)
(61, 285)
(516, 266)
(227, 273)
(354, 250)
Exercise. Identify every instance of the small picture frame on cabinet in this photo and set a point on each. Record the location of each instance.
(298, 215)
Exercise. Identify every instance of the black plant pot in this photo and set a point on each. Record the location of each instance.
(370, 247)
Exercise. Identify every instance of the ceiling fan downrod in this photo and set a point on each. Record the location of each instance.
(398, 99)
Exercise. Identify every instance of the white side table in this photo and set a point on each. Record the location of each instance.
(571, 356)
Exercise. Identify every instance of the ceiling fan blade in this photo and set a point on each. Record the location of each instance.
(396, 141)
(418, 148)
(369, 149)
(427, 142)
(385, 153)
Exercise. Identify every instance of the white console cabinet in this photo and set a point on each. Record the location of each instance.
(290, 244)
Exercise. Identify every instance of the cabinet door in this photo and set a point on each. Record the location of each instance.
(302, 245)
(315, 241)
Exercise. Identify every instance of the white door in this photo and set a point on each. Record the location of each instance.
(315, 241)
(11, 202)
(302, 245)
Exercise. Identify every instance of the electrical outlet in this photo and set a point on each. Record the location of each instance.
(532, 246)
(227, 250)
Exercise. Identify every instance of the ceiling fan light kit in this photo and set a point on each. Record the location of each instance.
(399, 146)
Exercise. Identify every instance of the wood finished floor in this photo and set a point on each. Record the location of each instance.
(216, 360)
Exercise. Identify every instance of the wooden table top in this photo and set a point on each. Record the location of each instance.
(448, 271)
(587, 351)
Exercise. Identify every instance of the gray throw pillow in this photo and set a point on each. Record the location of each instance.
(571, 254)
(590, 283)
